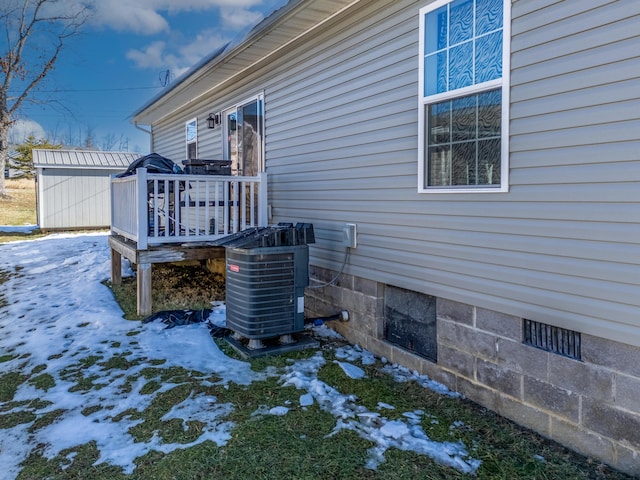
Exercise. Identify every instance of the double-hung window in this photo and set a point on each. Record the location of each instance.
(463, 97)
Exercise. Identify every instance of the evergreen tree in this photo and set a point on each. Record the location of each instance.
(24, 161)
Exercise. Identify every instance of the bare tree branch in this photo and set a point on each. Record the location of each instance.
(45, 69)
(70, 26)
(26, 21)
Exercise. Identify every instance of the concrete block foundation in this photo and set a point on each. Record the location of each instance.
(591, 404)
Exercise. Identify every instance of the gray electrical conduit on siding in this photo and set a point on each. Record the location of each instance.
(333, 280)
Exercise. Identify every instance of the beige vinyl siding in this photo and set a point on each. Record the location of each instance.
(575, 132)
(561, 247)
(170, 135)
(170, 140)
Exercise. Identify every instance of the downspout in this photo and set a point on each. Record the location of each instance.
(150, 132)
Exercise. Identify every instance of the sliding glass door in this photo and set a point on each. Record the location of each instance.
(244, 133)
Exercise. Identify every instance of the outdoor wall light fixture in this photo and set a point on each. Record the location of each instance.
(213, 119)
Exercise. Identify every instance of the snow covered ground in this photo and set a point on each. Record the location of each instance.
(58, 318)
(18, 228)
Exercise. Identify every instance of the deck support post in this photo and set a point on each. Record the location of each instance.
(144, 289)
(116, 267)
(144, 259)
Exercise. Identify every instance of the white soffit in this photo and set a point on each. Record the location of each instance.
(290, 22)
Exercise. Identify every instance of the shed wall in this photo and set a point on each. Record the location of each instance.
(73, 198)
(561, 247)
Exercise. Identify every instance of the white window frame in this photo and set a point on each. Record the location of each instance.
(259, 97)
(186, 137)
(424, 101)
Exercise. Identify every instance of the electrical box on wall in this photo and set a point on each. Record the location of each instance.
(349, 235)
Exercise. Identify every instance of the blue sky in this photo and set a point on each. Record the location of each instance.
(121, 60)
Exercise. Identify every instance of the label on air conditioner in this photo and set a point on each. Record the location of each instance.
(300, 305)
(234, 268)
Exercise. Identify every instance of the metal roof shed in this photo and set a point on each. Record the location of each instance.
(72, 187)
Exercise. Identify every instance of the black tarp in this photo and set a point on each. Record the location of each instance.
(154, 163)
(175, 318)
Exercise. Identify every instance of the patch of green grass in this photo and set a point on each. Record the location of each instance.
(89, 361)
(38, 368)
(4, 276)
(76, 373)
(268, 441)
(39, 404)
(170, 431)
(10, 420)
(292, 446)
(128, 413)
(119, 362)
(148, 373)
(84, 384)
(78, 463)
(91, 410)
(150, 387)
(7, 406)
(43, 382)
(20, 412)
(123, 295)
(46, 419)
(247, 399)
(9, 383)
(7, 358)
(178, 375)
(82, 364)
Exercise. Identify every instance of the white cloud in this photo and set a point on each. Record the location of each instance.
(21, 129)
(129, 16)
(238, 18)
(202, 45)
(177, 51)
(152, 56)
(157, 54)
(146, 16)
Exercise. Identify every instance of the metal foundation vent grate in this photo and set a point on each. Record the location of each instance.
(552, 339)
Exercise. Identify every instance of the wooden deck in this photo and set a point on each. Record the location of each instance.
(144, 259)
(156, 209)
(164, 218)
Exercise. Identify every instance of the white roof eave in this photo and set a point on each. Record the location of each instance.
(210, 73)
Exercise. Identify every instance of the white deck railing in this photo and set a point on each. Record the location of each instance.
(152, 209)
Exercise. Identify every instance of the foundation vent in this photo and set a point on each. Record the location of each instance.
(552, 339)
(410, 321)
